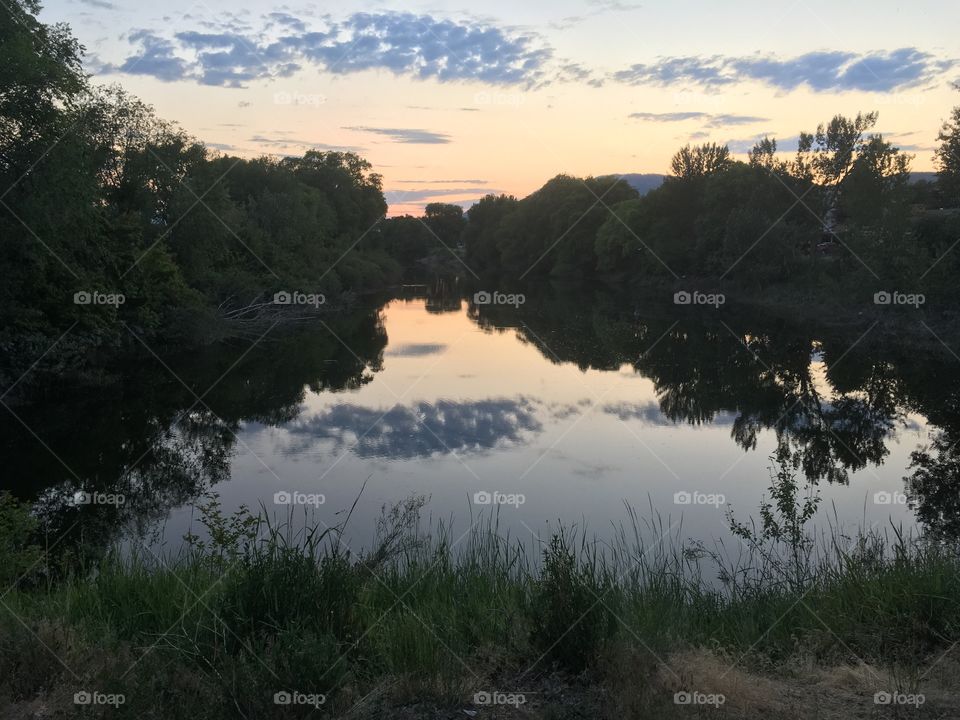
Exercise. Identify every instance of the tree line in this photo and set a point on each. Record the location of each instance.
(110, 215)
(842, 206)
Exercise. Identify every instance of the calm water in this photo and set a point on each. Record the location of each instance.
(562, 409)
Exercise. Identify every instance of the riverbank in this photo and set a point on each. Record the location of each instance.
(254, 621)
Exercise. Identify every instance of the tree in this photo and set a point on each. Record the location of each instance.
(445, 221)
(40, 78)
(700, 161)
(764, 156)
(345, 178)
(553, 231)
(484, 223)
(876, 182)
(948, 157)
(828, 156)
(100, 195)
(407, 238)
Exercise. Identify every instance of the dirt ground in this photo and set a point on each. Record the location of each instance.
(645, 688)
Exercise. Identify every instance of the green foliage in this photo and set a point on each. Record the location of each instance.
(229, 536)
(290, 587)
(407, 238)
(571, 621)
(830, 154)
(445, 221)
(948, 158)
(934, 485)
(484, 226)
(19, 553)
(553, 231)
(783, 537)
(41, 75)
(700, 161)
(191, 637)
(767, 221)
(732, 220)
(102, 196)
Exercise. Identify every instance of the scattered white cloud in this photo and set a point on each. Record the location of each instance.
(821, 71)
(231, 54)
(406, 135)
(706, 119)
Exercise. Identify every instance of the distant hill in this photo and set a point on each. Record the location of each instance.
(916, 177)
(642, 182)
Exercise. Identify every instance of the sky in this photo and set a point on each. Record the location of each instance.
(450, 102)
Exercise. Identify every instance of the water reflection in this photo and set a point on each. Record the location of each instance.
(419, 430)
(160, 432)
(835, 399)
(415, 350)
(652, 413)
(935, 485)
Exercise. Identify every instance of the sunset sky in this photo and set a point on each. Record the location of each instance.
(450, 102)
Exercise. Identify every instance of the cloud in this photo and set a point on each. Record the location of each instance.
(576, 72)
(232, 59)
(709, 120)
(287, 20)
(821, 71)
(613, 6)
(669, 71)
(102, 4)
(668, 117)
(403, 197)
(406, 135)
(424, 47)
(157, 58)
(724, 120)
(600, 7)
(442, 182)
(283, 143)
(401, 43)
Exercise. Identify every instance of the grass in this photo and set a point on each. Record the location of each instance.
(424, 620)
